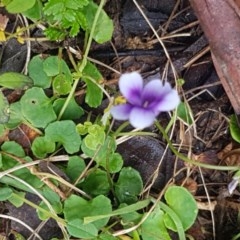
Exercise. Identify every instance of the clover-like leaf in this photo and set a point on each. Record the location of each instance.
(64, 132)
(37, 107)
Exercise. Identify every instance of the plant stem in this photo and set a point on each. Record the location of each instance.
(84, 60)
(190, 161)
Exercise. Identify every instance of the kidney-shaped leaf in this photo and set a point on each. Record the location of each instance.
(183, 204)
(64, 132)
(37, 108)
(76, 207)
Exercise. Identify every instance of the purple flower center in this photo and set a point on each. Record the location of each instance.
(144, 103)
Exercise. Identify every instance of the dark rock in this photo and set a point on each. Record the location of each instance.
(29, 216)
(13, 56)
(144, 154)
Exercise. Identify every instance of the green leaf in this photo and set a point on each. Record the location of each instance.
(94, 207)
(34, 12)
(64, 132)
(153, 228)
(128, 186)
(53, 199)
(77, 229)
(19, 6)
(183, 112)
(183, 204)
(5, 193)
(19, 185)
(72, 112)
(61, 84)
(4, 109)
(15, 200)
(96, 183)
(41, 146)
(16, 117)
(36, 72)
(106, 236)
(234, 128)
(124, 209)
(113, 163)
(105, 151)
(83, 128)
(75, 167)
(37, 108)
(13, 80)
(13, 148)
(104, 27)
(131, 217)
(92, 78)
(54, 66)
(66, 16)
(95, 137)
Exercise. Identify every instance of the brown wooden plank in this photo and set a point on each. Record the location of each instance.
(220, 21)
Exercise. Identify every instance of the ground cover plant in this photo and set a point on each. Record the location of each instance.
(65, 177)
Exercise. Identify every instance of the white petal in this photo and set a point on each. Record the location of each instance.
(169, 102)
(121, 112)
(131, 85)
(141, 118)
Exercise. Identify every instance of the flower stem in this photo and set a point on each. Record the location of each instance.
(190, 161)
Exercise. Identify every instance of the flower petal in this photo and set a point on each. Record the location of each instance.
(169, 102)
(141, 117)
(121, 112)
(131, 85)
(155, 90)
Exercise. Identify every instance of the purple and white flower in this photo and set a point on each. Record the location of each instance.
(143, 103)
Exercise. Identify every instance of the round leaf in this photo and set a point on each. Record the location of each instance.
(183, 204)
(96, 183)
(61, 84)
(36, 72)
(41, 146)
(64, 132)
(37, 108)
(128, 186)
